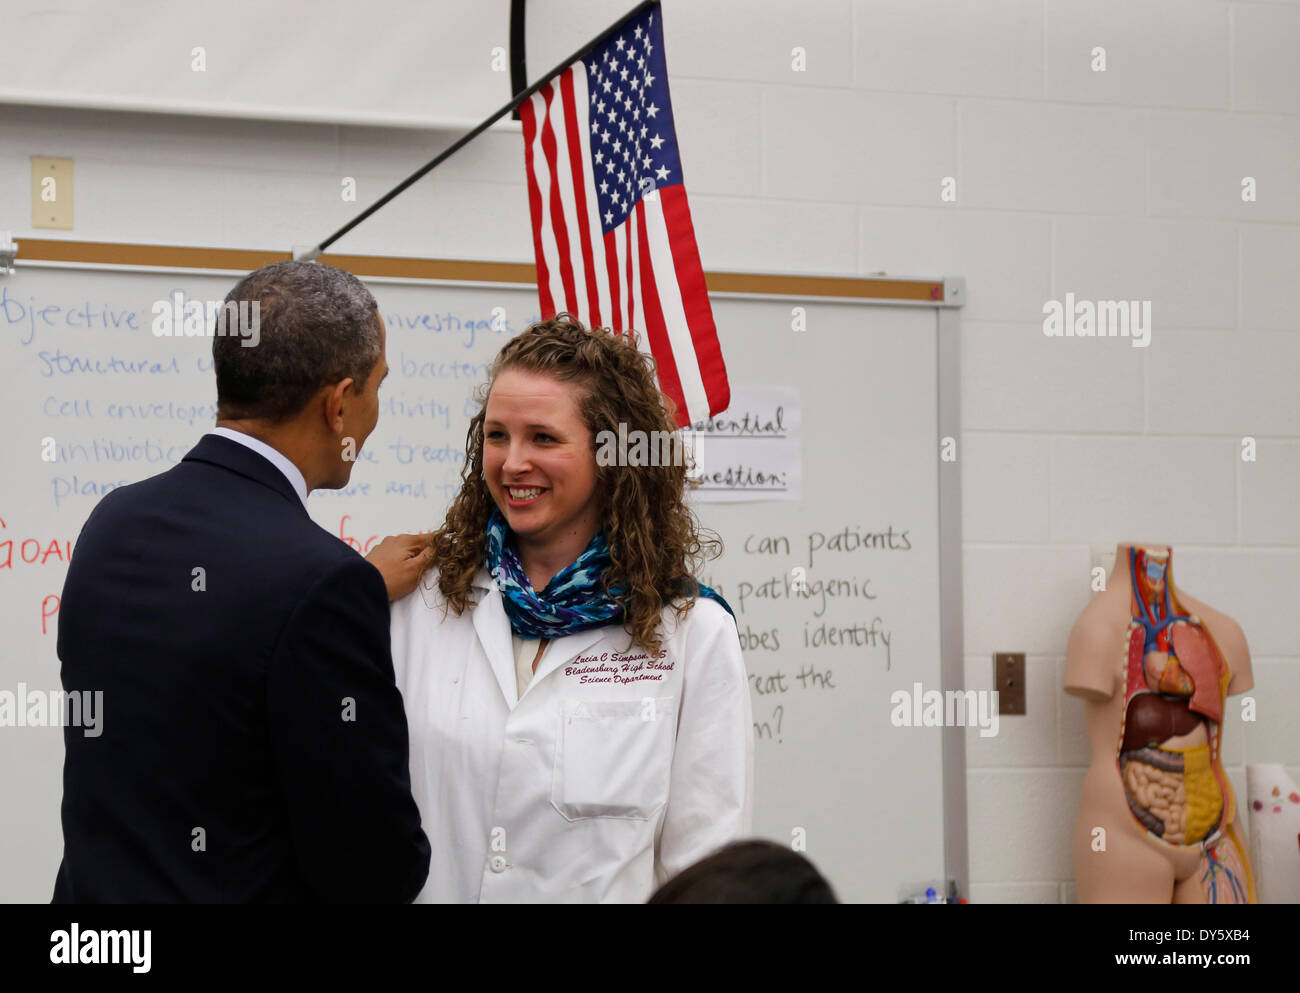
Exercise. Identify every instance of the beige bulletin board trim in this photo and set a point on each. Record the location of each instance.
(847, 288)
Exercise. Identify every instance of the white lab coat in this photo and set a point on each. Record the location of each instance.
(605, 778)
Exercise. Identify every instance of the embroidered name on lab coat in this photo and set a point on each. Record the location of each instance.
(614, 667)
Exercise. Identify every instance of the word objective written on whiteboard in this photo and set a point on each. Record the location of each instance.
(812, 612)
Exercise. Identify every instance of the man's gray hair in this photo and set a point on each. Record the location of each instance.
(316, 326)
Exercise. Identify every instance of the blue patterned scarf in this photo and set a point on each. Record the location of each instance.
(572, 601)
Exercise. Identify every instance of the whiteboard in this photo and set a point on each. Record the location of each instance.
(863, 797)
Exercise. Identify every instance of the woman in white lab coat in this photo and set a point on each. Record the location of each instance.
(578, 706)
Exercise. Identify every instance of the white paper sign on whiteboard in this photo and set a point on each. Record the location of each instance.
(752, 451)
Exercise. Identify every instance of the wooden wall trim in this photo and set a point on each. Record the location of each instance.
(92, 253)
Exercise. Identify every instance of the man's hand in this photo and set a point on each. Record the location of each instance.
(401, 559)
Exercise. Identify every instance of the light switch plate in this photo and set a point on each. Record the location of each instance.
(1009, 681)
(52, 193)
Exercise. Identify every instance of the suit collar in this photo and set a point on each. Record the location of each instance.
(273, 455)
(216, 450)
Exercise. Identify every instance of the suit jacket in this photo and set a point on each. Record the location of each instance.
(253, 743)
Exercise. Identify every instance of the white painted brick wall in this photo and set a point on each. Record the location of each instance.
(1159, 53)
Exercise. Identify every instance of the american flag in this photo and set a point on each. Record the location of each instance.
(611, 226)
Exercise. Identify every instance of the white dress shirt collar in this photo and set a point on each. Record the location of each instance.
(273, 456)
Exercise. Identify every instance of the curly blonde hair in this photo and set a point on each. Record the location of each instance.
(656, 543)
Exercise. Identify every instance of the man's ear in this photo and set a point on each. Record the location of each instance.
(333, 404)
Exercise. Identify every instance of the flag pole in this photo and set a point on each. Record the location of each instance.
(313, 253)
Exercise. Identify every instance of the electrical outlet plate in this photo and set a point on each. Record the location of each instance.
(1009, 681)
(52, 193)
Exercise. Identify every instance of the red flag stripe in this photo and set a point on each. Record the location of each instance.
(694, 295)
(653, 318)
(557, 207)
(688, 315)
(568, 182)
(612, 268)
(545, 179)
(582, 97)
(574, 124)
(529, 118)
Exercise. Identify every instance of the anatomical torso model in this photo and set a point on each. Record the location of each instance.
(1157, 817)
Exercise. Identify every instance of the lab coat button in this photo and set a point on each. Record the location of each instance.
(498, 863)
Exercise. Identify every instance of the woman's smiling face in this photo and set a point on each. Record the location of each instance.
(538, 460)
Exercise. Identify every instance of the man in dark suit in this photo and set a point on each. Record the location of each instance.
(253, 745)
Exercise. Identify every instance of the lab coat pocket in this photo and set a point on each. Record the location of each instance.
(613, 757)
